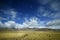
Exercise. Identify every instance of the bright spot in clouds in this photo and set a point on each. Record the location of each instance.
(33, 14)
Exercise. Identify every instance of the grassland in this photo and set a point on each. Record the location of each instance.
(29, 35)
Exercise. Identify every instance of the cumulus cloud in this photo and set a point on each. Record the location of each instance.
(54, 24)
(33, 23)
(10, 24)
(18, 26)
(10, 12)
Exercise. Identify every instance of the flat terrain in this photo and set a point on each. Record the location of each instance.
(30, 35)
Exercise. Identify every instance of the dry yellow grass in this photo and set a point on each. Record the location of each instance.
(30, 35)
(11, 35)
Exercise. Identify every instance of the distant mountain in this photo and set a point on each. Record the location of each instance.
(33, 29)
(40, 29)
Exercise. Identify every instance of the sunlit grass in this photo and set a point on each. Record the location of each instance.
(30, 35)
(11, 34)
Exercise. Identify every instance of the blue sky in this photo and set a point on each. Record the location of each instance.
(30, 13)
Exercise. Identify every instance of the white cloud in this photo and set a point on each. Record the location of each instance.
(10, 12)
(1, 24)
(10, 24)
(43, 12)
(54, 24)
(54, 21)
(54, 27)
(33, 23)
(53, 10)
(18, 26)
(46, 13)
(13, 13)
(49, 14)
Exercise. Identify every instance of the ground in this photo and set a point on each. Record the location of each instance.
(30, 35)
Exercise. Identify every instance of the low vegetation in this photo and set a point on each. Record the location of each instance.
(30, 35)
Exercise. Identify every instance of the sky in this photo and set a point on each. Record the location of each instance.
(30, 13)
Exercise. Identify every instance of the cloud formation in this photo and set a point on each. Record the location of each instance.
(47, 9)
(50, 8)
(54, 24)
(33, 23)
(10, 12)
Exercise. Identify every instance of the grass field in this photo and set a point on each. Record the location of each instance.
(29, 35)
